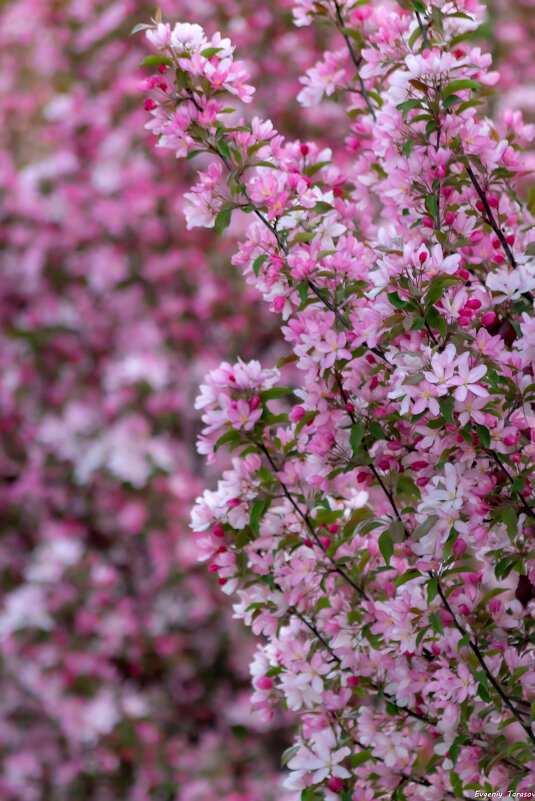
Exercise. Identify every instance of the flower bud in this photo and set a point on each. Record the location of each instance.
(335, 784)
(459, 547)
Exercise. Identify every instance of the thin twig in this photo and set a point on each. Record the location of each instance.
(475, 649)
(356, 61)
(306, 520)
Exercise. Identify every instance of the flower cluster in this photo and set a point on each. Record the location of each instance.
(377, 523)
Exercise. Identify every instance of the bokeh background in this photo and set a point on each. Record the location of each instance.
(122, 674)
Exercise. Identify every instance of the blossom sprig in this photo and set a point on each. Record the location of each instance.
(379, 532)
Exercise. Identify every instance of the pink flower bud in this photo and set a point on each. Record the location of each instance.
(304, 150)
(264, 683)
(450, 217)
(476, 237)
(446, 617)
(149, 104)
(472, 578)
(459, 547)
(335, 784)
(278, 303)
(422, 481)
(474, 303)
(218, 530)
(427, 222)
(254, 403)
(353, 681)
(297, 414)
(489, 318)
(420, 465)
(325, 541)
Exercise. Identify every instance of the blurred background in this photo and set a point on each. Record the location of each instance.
(122, 674)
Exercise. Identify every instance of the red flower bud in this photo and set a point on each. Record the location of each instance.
(474, 303)
(459, 547)
(335, 784)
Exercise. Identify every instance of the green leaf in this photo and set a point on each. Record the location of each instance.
(208, 52)
(275, 392)
(436, 290)
(224, 149)
(510, 519)
(459, 85)
(432, 205)
(258, 262)
(432, 590)
(409, 575)
(484, 435)
(230, 436)
(405, 486)
(423, 529)
(397, 531)
(386, 546)
(355, 438)
(303, 291)
(360, 758)
(408, 105)
(257, 513)
(396, 301)
(446, 407)
(323, 603)
(453, 752)
(451, 101)
(436, 623)
(152, 61)
(222, 220)
(483, 693)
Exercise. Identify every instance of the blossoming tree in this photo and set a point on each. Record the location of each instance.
(376, 525)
